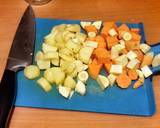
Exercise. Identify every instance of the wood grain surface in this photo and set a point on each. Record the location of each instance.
(144, 11)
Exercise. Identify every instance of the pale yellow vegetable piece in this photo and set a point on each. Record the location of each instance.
(74, 47)
(114, 53)
(71, 94)
(85, 23)
(112, 32)
(122, 60)
(127, 36)
(79, 65)
(73, 28)
(146, 71)
(42, 82)
(39, 56)
(83, 76)
(145, 48)
(140, 75)
(51, 55)
(58, 75)
(43, 64)
(131, 55)
(55, 62)
(122, 42)
(92, 44)
(103, 81)
(85, 54)
(66, 51)
(91, 34)
(49, 76)
(156, 61)
(112, 79)
(31, 72)
(64, 64)
(50, 39)
(48, 48)
(97, 24)
(59, 39)
(81, 37)
(74, 73)
(66, 57)
(71, 67)
(132, 63)
(116, 69)
(69, 82)
(80, 88)
(60, 27)
(68, 35)
(64, 91)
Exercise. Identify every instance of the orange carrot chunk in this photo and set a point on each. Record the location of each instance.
(90, 28)
(123, 27)
(111, 41)
(147, 60)
(106, 27)
(136, 36)
(123, 80)
(140, 54)
(132, 45)
(135, 30)
(132, 74)
(107, 66)
(94, 68)
(101, 41)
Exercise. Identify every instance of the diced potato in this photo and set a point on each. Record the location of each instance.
(79, 65)
(64, 64)
(60, 27)
(81, 37)
(39, 56)
(92, 44)
(55, 62)
(83, 76)
(132, 64)
(116, 69)
(73, 28)
(146, 71)
(50, 39)
(66, 51)
(80, 88)
(85, 23)
(74, 47)
(58, 75)
(66, 58)
(97, 24)
(119, 48)
(48, 48)
(131, 55)
(51, 55)
(44, 84)
(103, 81)
(31, 72)
(112, 79)
(71, 94)
(145, 48)
(68, 35)
(156, 61)
(85, 54)
(74, 73)
(114, 53)
(64, 91)
(43, 64)
(71, 67)
(122, 42)
(59, 39)
(85, 67)
(49, 76)
(69, 82)
(122, 60)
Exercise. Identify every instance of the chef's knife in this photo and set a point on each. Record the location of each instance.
(20, 56)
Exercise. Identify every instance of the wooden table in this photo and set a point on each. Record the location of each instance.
(145, 11)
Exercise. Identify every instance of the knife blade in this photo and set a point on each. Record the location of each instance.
(21, 54)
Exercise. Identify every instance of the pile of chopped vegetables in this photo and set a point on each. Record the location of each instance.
(68, 57)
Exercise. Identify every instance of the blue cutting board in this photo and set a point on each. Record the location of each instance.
(113, 100)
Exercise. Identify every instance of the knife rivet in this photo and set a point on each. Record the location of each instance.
(31, 54)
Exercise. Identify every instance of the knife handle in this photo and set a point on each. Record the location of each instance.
(7, 97)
